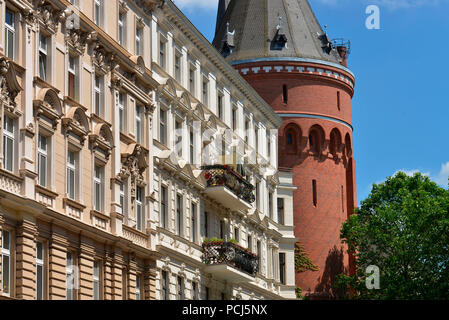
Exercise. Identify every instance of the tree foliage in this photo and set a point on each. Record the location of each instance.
(402, 228)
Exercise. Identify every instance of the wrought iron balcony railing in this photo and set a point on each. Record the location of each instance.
(222, 252)
(226, 176)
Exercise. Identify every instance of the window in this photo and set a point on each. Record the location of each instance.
(121, 28)
(284, 94)
(194, 291)
(98, 188)
(6, 263)
(139, 208)
(192, 146)
(222, 229)
(73, 78)
(162, 54)
(192, 79)
(139, 127)
(223, 296)
(139, 41)
(164, 288)
(342, 200)
(163, 126)
(258, 195)
(281, 211)
(193, 226)
(220, 106)
(270, 204)
(40, 275)
(178, 67)
(179, 215)
(259, 252)
(124, 284)
(96, 279)
(98, 5)
(121, 112)
(98, 95)
(234, 118)
(314, 193)
(282, 267)
(124, 197)
(206, 293)
(206, 224)
(205, 91)
(8, 143)
(250, 243)
(180, 288)
(338, 100)
(10, 31)
(70, 277)
(138, 287)
(269, 147)
(43, 54)
(246, 130)
(256, 134)
(163, 207)
(237, 234)
(42, 160)
(178, 138)
(71, 174)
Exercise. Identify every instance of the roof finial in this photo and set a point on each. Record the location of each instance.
(279, 26)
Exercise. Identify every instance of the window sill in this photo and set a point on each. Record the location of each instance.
(73, 203)
(46, 191)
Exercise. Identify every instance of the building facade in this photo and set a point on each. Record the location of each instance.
(135, 162)
(279, 47)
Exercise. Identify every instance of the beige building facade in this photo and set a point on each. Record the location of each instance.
(135, 163)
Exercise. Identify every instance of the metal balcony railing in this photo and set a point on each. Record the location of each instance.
(226, 176)
(221, 252)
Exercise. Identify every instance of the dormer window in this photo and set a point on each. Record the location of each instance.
(279, 41)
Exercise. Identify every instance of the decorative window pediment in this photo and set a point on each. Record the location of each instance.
(134, 164)
(76, 40)
(101, 139)
(49, 105)
(76, 122)
(48, 16)
(139, 64)
(102, 59)
(9, 86)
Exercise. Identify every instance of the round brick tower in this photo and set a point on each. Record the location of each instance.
(279, 47)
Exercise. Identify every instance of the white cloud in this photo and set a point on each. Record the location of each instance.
(442, 177)
(191, 5)
(411, 172)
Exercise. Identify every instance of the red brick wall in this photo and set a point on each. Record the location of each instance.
(317, 227)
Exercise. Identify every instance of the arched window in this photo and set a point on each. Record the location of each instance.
(316, 139)
(335, 142)
(292, 138)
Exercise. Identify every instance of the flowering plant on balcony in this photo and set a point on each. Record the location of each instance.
(226, 176)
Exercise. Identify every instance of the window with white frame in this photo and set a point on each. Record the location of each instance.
(192, 71)
(97, 280)
(192, 146)
(139, 208)
(178, 137)
(139, 125)
(72, 78)
(178, 62)
(72, 172)
(124, 197)
(6, 263)
(42, 160)
(270, 204)
(40, 271)
(246, 130)
(234, 117)
(162, 52)
(98, 95)
(194, 290)
(70, 276)
(281, 211)
(268, 147)
(179, 214)
(164, 207)
(98, 187)
(193, 222)
(9, 128)
(43, 56)
(98, 12)
(205, 91)
(138, 287)
(122, 112)
(139, 40)
(206, 224)
(163, 126)
(282, 268)
(220, 106)
(180, 288)
(237, 234)
(250, 243)
(10, 33)
(164, 285)
(258, 195)
(256, 135)
(121, 28)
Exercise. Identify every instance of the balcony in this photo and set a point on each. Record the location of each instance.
(228, 187)
(228, 261)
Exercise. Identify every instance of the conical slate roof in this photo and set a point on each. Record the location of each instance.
(271, 29)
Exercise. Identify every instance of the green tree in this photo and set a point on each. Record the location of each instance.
(403, 229)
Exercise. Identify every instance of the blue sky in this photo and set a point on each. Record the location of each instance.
(401, 103)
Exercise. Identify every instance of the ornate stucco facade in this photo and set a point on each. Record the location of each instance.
(115, 180)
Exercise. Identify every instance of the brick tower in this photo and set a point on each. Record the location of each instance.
(279, 47)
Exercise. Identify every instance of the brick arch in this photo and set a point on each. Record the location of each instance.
(348, 146)
(335, 141)
(316, 138)
(292, 135)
